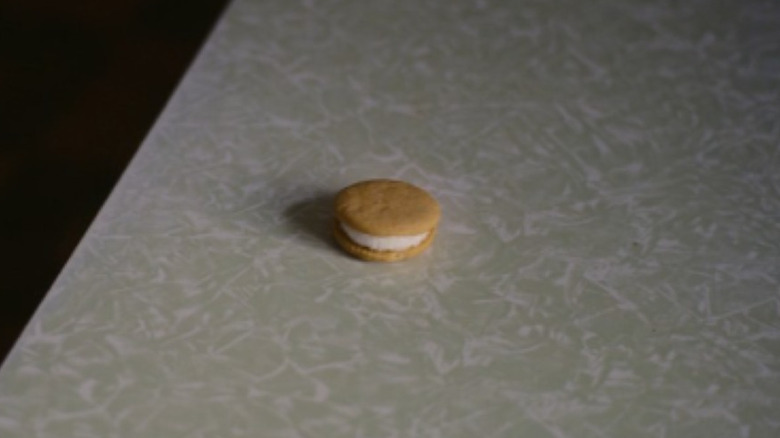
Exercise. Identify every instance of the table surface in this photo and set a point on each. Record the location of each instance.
(608, 262)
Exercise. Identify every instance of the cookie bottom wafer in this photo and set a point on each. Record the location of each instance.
(369, 254)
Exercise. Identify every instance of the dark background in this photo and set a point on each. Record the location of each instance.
(80, 85)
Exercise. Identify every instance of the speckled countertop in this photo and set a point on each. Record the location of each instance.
(608, 263)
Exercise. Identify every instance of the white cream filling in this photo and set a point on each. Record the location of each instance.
(383, 243)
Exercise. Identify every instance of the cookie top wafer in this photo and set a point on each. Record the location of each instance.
(385, 207)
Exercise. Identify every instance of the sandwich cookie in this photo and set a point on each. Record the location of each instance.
(385, 220)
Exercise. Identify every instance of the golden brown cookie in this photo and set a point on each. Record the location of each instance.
(385, 220)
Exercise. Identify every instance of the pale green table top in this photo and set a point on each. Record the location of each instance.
(608, 263)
